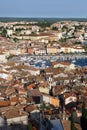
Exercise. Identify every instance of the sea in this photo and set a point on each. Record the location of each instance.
(47, 63)
(80, 62)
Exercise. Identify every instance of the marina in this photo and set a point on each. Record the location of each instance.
(44, 61)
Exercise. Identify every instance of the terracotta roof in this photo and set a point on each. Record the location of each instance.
(14, 99)
(14, 112)
(35, 92)
(85, 94)
(30, 100)
(10, 91)
(21, 90)
(54, 70)
(54, 63)
(2, 97)
(65, 63)
(30, 108)
(31, 86)
(66, 95)
(58, 89)
(44, 85)
(4, 103)
(38, 35)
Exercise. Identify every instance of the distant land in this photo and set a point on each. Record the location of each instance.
(13, 19)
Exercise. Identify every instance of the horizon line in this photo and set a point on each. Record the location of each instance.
(43, 17)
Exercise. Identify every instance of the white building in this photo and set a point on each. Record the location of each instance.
(9, 32)
(3, 58)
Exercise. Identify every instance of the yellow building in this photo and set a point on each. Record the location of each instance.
(54, 101)
(23, 51)
(52, 50)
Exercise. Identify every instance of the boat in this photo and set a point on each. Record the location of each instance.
(73, 61)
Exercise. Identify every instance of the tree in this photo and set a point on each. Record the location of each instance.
(85, 48)
(30, 126)
(54, 28)
(4, 32)
(1, 28)
(62, 40)
(72, 122)
(83, 109)
(15, 39)
(84, 117)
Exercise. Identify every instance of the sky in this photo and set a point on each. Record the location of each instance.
(44, 8)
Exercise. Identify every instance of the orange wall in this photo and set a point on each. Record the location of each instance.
(54, 101)
(30, 50)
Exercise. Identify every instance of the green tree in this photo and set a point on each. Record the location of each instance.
(78, 43)
(84, 117)
(62, 40)
(54, 28)
(15, 39)
(30, 126)
(85, 48)
(72, 122)
(1, 28)
(4, 32)
(83, 109)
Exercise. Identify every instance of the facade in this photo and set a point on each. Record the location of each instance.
(50, 100)
(9, 32)
(3, 58)
(52, 50)
(16, 119)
